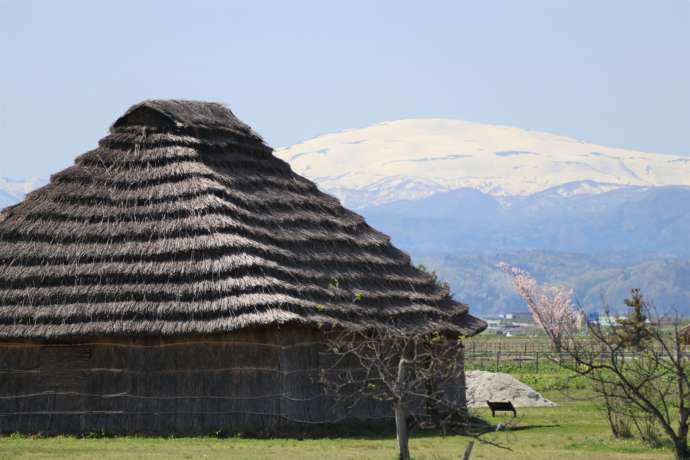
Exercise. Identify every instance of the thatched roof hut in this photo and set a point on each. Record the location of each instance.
(162, 252)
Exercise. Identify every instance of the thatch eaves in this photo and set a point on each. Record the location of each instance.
(182, 222)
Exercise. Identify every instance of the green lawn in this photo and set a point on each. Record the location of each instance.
(574, 430)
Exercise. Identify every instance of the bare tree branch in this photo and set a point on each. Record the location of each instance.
(640, 369)
(421, 375)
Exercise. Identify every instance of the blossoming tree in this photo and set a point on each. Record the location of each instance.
(550, 305)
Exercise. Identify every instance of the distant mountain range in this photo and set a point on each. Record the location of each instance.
(598, 281)
(631, 219)
(412, 159)
(599, 245)
(461, 197)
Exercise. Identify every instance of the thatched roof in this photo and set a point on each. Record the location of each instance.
(182, 222)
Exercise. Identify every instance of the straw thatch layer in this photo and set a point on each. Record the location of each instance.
(182, 222)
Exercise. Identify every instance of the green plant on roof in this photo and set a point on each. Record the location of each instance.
(321, 307)
(434, 337)
(335, 282)
(358, 297)
(434, 277)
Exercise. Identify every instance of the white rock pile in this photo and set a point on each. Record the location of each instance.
(485, 386)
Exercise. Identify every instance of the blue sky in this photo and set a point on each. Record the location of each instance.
(609, 72)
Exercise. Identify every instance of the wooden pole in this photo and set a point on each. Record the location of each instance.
(468, 451)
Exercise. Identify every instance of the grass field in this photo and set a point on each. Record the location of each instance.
(574, 430)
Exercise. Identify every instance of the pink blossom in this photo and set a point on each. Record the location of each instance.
(550, 304)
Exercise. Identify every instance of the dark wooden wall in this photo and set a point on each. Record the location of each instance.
(260, 382)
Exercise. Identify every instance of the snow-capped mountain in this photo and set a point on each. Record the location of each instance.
(461, 197)
(412, 159)
(13, 191)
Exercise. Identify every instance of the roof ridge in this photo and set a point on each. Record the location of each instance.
(182, 113)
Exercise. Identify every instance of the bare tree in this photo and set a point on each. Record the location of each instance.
(417, 373)
(641, 371)
(550, 305)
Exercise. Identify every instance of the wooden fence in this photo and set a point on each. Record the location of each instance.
(526, 346)
(486, 359)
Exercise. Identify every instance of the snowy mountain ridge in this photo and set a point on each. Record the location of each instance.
(416, 158)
